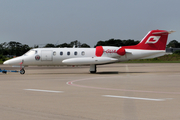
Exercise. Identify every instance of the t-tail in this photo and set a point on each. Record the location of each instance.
(154, 40)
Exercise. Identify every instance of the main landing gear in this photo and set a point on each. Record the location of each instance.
(92, 68)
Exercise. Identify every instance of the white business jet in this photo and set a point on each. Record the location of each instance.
(151, 46)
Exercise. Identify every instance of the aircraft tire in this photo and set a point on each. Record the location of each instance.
(92, 68)
(22, 71)
(92, 71)
(4, 72)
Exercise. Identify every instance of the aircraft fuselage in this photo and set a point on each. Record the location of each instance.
(151, 46)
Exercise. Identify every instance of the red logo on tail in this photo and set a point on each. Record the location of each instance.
(153, 39)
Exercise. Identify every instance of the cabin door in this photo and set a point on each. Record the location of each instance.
(46, 55)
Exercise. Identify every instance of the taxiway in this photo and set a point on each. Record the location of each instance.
(116, 91)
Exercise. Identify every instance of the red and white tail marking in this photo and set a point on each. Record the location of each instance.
(154, 40)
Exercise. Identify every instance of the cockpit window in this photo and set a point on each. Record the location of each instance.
(31, 52)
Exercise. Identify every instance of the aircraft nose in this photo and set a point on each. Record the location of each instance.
(6, 62)
(13, 61)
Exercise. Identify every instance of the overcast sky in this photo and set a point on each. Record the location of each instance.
(88, 21)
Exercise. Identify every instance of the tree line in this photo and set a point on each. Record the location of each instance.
(173, 44)
(16, 49)
(13, 48)
(75, 43)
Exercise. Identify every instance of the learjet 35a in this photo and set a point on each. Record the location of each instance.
(151, 46)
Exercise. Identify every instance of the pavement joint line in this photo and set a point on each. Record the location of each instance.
(137, 98)
(72, 83)
(39, 90)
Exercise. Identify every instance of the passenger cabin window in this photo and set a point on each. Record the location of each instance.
(75, 53)
(68, 53)
(82, 53)
(54, 53)
(61, 53)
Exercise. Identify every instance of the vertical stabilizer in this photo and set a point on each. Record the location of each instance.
(154, 40)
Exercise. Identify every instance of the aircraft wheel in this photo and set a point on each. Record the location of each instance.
(22, 71)
(92, 68)
(4, 72)
(92, 71)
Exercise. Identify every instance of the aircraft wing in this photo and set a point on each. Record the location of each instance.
(88, 60)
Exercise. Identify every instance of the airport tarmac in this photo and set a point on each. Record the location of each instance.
(115, 92)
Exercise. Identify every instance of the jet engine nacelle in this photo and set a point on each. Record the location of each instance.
(100, 50)
(121, 51)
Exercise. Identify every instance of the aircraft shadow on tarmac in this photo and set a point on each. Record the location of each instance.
(106, 72)
(116, 72)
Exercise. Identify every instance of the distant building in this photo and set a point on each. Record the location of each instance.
(10, 56)
(171, 50)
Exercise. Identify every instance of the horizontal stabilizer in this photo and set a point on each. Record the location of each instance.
(169, 32)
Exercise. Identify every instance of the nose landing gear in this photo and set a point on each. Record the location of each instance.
(22, 71)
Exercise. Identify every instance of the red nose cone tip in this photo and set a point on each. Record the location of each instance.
(121, 51)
